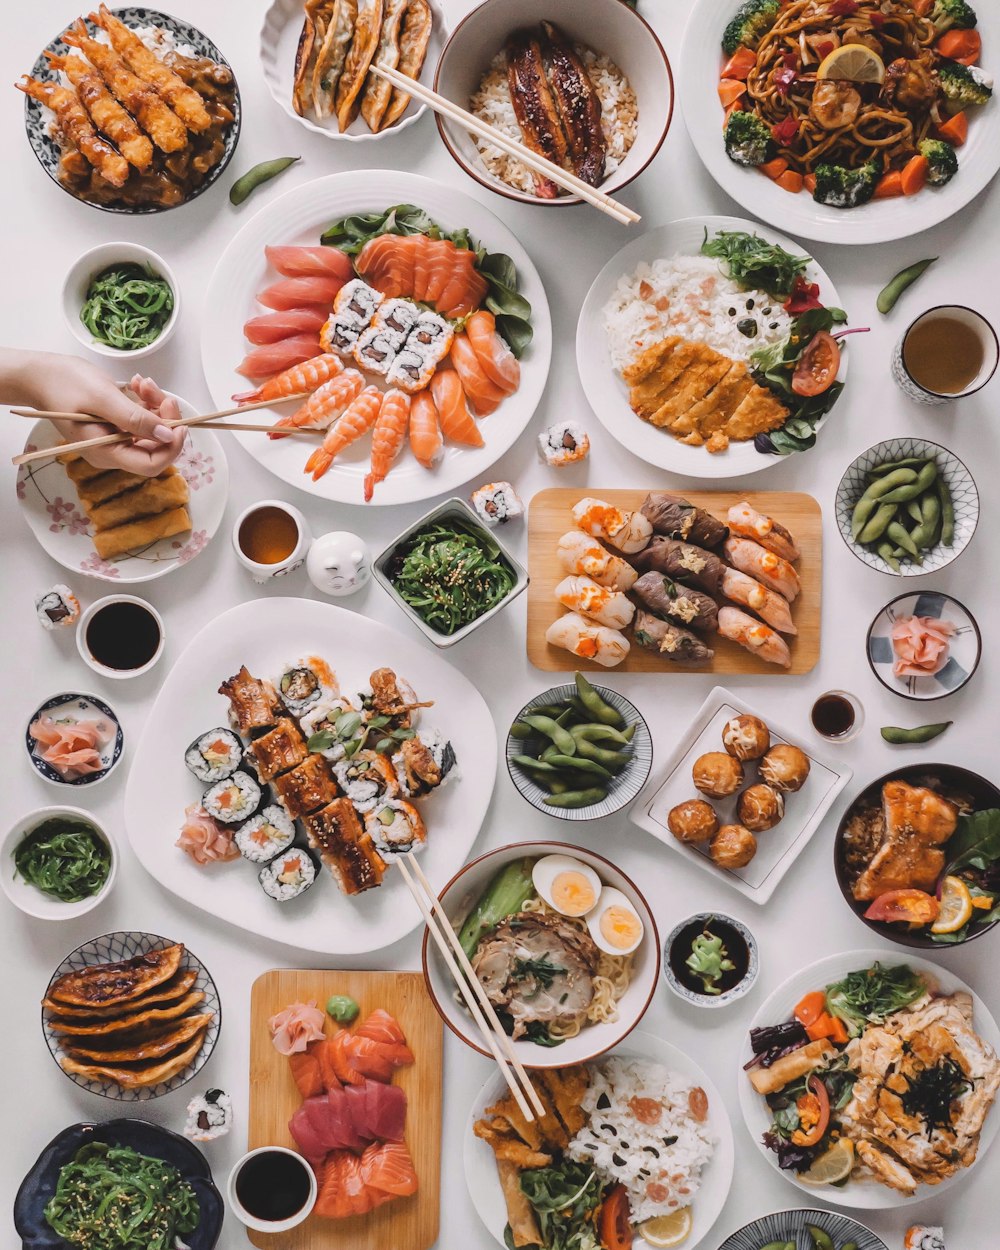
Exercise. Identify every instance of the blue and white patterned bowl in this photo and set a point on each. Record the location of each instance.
(622, 790)
(790, 1226)
(964, 650)
(743, 987)
(72, 705)
(114, 948)
(964, 495)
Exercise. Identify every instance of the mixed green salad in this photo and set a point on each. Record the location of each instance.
(566, 1198)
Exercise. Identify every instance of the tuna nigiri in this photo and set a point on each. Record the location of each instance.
(456, 421)
(483, 395)
(272, 358)
(426, 442)
(274, 326)
(310, 262)
(498, 362)
(294, 292)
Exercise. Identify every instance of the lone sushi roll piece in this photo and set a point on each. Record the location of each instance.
(209, 1116)
(574, 633)
(346, 850)
(924, 1237)
(305, 683)
(424, 763)
(772, 608)
(232, 800)
(288, 876)
(756, 561)
(564, 443)
(57, 607)
(580, 554)
(670, 641)
(265, 835)
(756, 638)
(368, 780)
(214, 755)
(280, 749)
(253, 704)
(747, 522)
(396, 828)
(628, 531)
(497, 502)
(599, 603)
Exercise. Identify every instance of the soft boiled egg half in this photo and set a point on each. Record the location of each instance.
(568, 886)
(614, 924)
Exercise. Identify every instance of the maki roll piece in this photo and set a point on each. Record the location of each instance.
(374, 351)
(692, 565)
(412, 370)
(214, 755)
(497, 503)
(232, 800)
(394, 698)
(340, 336)
(356, 302)
(305, 683)
(347, 852)
(396, 829)
(330, 727)
(924, 1237)
(280, 749)
(423, 763)
(253, 704)
(674, 517)
(368, 779)
(629, 532)
(563, 443)
(395, 319)
(308, 786)
(57, 607)
(265, 835)
(431, 337)
(676, 602)
(288, 876)
(209, 1116)
(673, 643)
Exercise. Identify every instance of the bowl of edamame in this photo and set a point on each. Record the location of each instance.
(579, 751)
(907, 507)
(803, 1229)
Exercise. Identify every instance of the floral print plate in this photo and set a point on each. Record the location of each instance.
(49, 501)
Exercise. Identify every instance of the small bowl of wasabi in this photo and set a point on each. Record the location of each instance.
(58, 863)
(121, 300)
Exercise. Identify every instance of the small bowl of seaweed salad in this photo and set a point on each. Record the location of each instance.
(710, 959)
(449, 574)
(57, 863)
(121, 299)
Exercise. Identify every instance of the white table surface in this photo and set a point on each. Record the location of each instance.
(44, 230)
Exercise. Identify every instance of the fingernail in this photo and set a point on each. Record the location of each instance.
(163, 434)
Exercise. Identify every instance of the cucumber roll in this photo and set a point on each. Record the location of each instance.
(288, 876)
(306, 683)
(232, 800)
(396, 828)
(214, 755)
(265, 835)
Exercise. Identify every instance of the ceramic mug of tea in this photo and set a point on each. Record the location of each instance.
(270, 539)
(949, 352)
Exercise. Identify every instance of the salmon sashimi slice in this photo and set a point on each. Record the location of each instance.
(440, 269)
(457, 423)
(340, 1059)
(307, 1072)
(369, 1058)
(380, 1026)
(342, 1191)
(310, 262)
(328, 1072)
(426, 442)
(482, 394)
(387, 1168)
(294, 292)
(453, 284)
(388, 262)
(272, 358)
(496, 359)
(272, 327)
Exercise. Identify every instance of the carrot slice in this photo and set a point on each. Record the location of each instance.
(922, 7)
(961, 45)
(889, 185)
(791, 180)
(810, 183)
(914, 176)
(838, 1031)
(955, 130)
(730, 90)
(740, 64)
(774, 169)
(811, 1007)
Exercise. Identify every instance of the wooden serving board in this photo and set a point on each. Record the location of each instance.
(405, 1223)
(550, 515)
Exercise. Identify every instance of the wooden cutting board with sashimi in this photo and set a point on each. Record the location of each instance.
(409, 1221)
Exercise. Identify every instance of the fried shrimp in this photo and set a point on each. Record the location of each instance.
(105, 111)
(76, 126)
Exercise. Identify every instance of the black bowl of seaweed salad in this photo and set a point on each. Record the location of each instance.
(449, 574)
(710, 959)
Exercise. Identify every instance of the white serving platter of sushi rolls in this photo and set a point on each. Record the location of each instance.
(265, 635)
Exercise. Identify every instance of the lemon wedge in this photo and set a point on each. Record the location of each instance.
(853, 62)
(667, 1230)
(956, 906)
(833, 1166)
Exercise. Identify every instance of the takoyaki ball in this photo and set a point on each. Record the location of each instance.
(717, 774)
(759, 808)
(693, 821)
(785, 767)
(733, 847)
(746, 737)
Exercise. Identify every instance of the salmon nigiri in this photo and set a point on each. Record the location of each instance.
(272, 358)
(426, 442)
(272, 327)
(357, 419)
(496, 359)
(457, 423)
(387, 437)
(310, 262)
(483, 395)
(294, 292)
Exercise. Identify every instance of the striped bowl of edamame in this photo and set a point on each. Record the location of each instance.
(907, 507)
(803, 1229)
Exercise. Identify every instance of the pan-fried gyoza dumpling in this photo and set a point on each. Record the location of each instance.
(131, 1078)
(367, 31)
(103, 985)
(375, 98)
(314, 27)
(331, 57)
(126, 1024)
(176, 987)
(412, 49)
(152, 1045)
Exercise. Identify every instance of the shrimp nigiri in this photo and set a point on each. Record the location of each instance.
(483, 394)
(457, 423)
(272, 358)
(387, 437)
(770, 607)
(756, 638)
(496, 359)
(324, 405)
(747, 522)
(299, 380)
(357, 419)
(426, 442)
(754, 560)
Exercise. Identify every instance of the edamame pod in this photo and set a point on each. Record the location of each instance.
(887, 466)
(595, 705)
(820, 1237)
(613, 760)
(849, 1245)
(580, 766)
(245, 186)
(861, 514)
(547, 754)
(947, 512)
(895, 287)
(520, 731)
(531, 765)
(912, 490)
(923, 535)
(888, 554)
(561, 737)
(577, 798)
(922, 733)
(913, 510)
(599, 733)
(876, 527)
(901, 538)
(883, 485)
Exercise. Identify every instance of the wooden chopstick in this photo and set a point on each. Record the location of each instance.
(539, 164)
(464, 988)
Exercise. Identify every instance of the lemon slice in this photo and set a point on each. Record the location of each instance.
(956, 906)
(853, 62)
(833, 1166)
(667, 1230)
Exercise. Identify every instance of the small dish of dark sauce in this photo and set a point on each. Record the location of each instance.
(837, 716)
(721, 948)
(273, 1186)
(123, 636)
(734, 951)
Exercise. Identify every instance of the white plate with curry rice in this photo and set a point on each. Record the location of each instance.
(661, 294)
(167, 520)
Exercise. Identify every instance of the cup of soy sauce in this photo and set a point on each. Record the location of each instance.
(837, 716)
(120, 636)
(272, 1189)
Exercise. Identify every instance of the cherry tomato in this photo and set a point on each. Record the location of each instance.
(818, 365)
(814, 1113)
(613, 1224)
(912, 907)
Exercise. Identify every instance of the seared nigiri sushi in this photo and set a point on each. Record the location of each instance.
(599, 603)
(747, 522)
(756, 638)
(676, 602)
(670, 640)
(628, 531)
(583, 638)
(681, 561)
(580, 554)
(756, 561)
(770, 607)
(674, 517)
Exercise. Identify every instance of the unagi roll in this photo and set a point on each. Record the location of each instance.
(674, 517)
(665, 597)
(682, 561)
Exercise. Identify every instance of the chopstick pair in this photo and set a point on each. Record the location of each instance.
(539, 164)
(474, 996)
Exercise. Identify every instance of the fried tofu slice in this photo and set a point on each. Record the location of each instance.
(566, 1087)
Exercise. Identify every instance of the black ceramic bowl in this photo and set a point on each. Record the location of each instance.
(148, 1139)
(949, 777)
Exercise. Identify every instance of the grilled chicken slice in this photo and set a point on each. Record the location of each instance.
(578, 106)
(534, 107)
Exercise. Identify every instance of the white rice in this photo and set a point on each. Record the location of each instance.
(659, 1164)
(689, 296)
(619, 116)
(156, 39)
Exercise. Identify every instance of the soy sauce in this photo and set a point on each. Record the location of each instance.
(273, 1186)
(833, 716)
(736, 950)
(123, 636)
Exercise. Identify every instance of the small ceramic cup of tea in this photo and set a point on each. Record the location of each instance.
(271, 539)
(949, 352)
(272, 1189)
(120, 636)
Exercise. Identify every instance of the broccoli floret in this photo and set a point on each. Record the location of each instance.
(754, 18)
(942, 159)
(948, 13)
(748, 139)
(964, 85)
(840, 187)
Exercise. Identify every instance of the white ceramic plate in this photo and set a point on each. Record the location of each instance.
(603, 385)
(964, 647)
(52, 508)
(279, 37)
(777, 848)
(858, 1194)
(879, 221)
(717, 1177)
(263, 634)
(301, 216)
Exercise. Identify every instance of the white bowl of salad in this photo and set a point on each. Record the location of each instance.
(121, 300)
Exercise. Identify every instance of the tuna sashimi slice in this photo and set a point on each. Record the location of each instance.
(272, 358)
(294, 292)
(310, 262)
(272, 327)
(385, 1111)
(309, 1141)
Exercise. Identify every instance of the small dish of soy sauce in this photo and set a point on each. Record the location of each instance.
(272, 1189)
(120, 636)
(710, 959)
